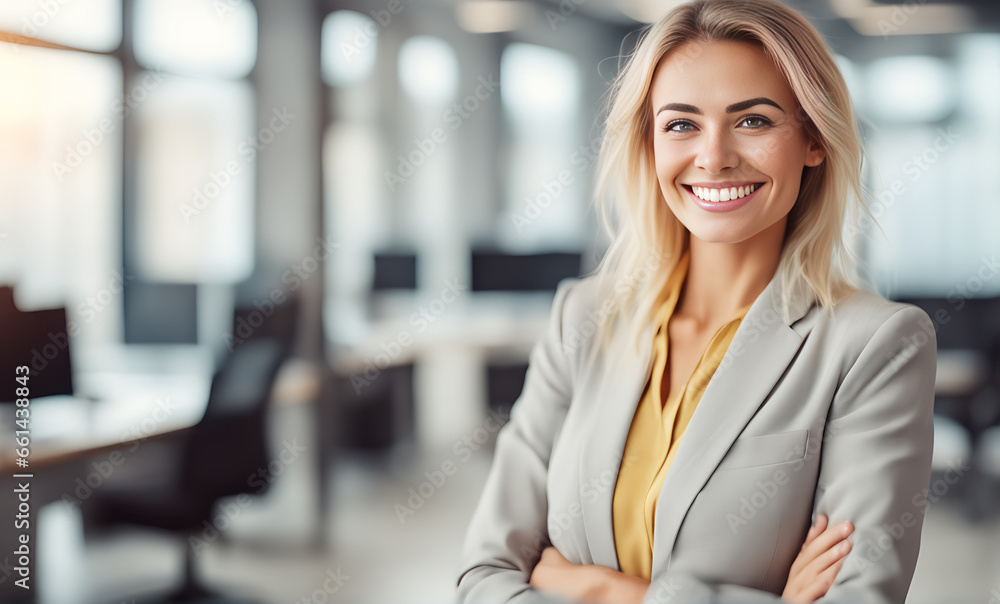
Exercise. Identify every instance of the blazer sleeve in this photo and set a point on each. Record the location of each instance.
(874, 470)
(876, 458)
(508, 529)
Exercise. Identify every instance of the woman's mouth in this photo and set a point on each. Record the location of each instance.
(723, 198)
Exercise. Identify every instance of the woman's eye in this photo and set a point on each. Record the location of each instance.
(678, 126)
(755, 121)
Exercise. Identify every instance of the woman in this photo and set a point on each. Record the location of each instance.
(723, 377)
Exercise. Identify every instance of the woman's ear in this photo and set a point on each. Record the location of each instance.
(815, 154)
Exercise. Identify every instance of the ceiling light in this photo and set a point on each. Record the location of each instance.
(491, 16)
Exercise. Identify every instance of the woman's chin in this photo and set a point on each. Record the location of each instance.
(719, 234)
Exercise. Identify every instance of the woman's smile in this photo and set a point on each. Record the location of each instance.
(722, 197)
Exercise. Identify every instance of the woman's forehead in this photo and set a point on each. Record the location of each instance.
(718, 74)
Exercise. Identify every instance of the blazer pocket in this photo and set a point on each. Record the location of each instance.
(765, 450)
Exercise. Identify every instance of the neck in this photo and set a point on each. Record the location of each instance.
(724, 277)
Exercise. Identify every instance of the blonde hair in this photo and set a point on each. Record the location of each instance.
(648, 240)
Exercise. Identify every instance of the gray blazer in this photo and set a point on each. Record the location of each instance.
(808, 413)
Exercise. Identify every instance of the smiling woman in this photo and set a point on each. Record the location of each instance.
(710, 148)
(766, 405)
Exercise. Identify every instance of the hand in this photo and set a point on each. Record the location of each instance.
(585, 582)
(818, 561)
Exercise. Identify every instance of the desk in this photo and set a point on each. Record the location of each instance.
(451, 347)
(153, 394)
(135, 395)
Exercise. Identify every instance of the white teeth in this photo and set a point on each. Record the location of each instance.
(729, 194)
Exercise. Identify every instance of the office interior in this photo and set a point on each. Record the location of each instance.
(277, 266)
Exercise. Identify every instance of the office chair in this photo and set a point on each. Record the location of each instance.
(220, 457)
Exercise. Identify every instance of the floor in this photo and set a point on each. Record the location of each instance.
(379, 552)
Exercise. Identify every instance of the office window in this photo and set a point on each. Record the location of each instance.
(422, 188)
(60, 178)
(540, 90)
(355, 197)
(85, 24)
(196, 148)
(196, 37)
(428, 70)
(934, 129)
(910, 89)
(194, 174)
(349, 45)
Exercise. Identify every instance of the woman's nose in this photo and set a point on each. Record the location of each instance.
(716, 153)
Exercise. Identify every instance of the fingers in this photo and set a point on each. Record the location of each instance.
(815, 529)
(823, 581)
(818, 544)
(821, 557)
(828, 558)
(825, 541)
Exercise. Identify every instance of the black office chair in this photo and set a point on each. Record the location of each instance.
(278, 322)
(221, 455)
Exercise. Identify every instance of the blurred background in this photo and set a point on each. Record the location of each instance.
(276, 267)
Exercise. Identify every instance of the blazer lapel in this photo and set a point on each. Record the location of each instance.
(761, 350)
(730, 400)
(617, 398)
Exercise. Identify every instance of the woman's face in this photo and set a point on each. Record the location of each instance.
(728, 141)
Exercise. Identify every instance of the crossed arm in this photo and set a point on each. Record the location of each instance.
(813, 572)
(874, 468)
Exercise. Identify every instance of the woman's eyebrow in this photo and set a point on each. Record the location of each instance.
(761, 100)
(685, 108)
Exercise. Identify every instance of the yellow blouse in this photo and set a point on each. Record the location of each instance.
(656, 433)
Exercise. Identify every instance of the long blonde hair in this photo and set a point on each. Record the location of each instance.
(647, 240)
